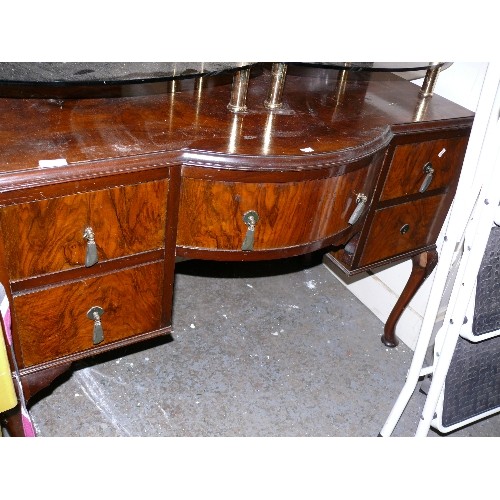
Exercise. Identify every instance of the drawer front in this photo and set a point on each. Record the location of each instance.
(410, 166)
(53, 322)
(211, 213)
(403, 228)
(48, 235)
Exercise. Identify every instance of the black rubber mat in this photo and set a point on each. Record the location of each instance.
(487, 304)
(473, 380)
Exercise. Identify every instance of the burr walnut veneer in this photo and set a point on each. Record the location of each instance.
(364, 171)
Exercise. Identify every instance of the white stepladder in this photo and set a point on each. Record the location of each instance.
(468, 227)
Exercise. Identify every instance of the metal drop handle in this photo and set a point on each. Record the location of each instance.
(361, 200)
(91, 257)
(95, 313)
(429, 171)
(250, 218)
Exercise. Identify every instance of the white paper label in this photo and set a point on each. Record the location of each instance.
(59, 162)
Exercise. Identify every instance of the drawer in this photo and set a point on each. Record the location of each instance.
(410, 166)
(47, 236)
(403, 228)
(53, 322)
(211, 212)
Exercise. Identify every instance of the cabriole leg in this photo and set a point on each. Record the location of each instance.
(423, 265)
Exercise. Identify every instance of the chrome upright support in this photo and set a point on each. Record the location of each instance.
(239, 91)
(274, 97)
(430, 79)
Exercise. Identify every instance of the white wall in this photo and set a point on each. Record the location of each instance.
(461, 83)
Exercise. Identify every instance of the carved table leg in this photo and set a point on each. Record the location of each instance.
(13, 423)
(423, 265)
(32, 384)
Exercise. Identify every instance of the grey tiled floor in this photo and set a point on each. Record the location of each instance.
(258, 349)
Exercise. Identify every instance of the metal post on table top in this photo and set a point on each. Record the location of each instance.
(275, 94)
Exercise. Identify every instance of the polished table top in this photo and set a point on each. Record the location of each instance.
(325, 124)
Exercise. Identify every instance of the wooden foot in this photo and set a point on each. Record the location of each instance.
(423, 265)
(32, 384)
(12, 421)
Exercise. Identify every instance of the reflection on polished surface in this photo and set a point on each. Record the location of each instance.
(176, 174)
(317, 114)
(376, 66)
(340, 87)
(268, 134)
(235, 132)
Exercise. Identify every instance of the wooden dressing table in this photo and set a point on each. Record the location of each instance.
(101, 192)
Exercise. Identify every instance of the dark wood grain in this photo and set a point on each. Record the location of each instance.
(290, 213)
(47, 236)
(52, 323)
(406, 172)
(172, 173)
(312, 117)
(385, 238)
(423, 265)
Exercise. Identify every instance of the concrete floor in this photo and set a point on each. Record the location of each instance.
(259, 349)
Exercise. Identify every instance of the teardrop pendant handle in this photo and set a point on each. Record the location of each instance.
(91, 257)
(250, 218)
(361, 200)
(429, 175)
(95, 314)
